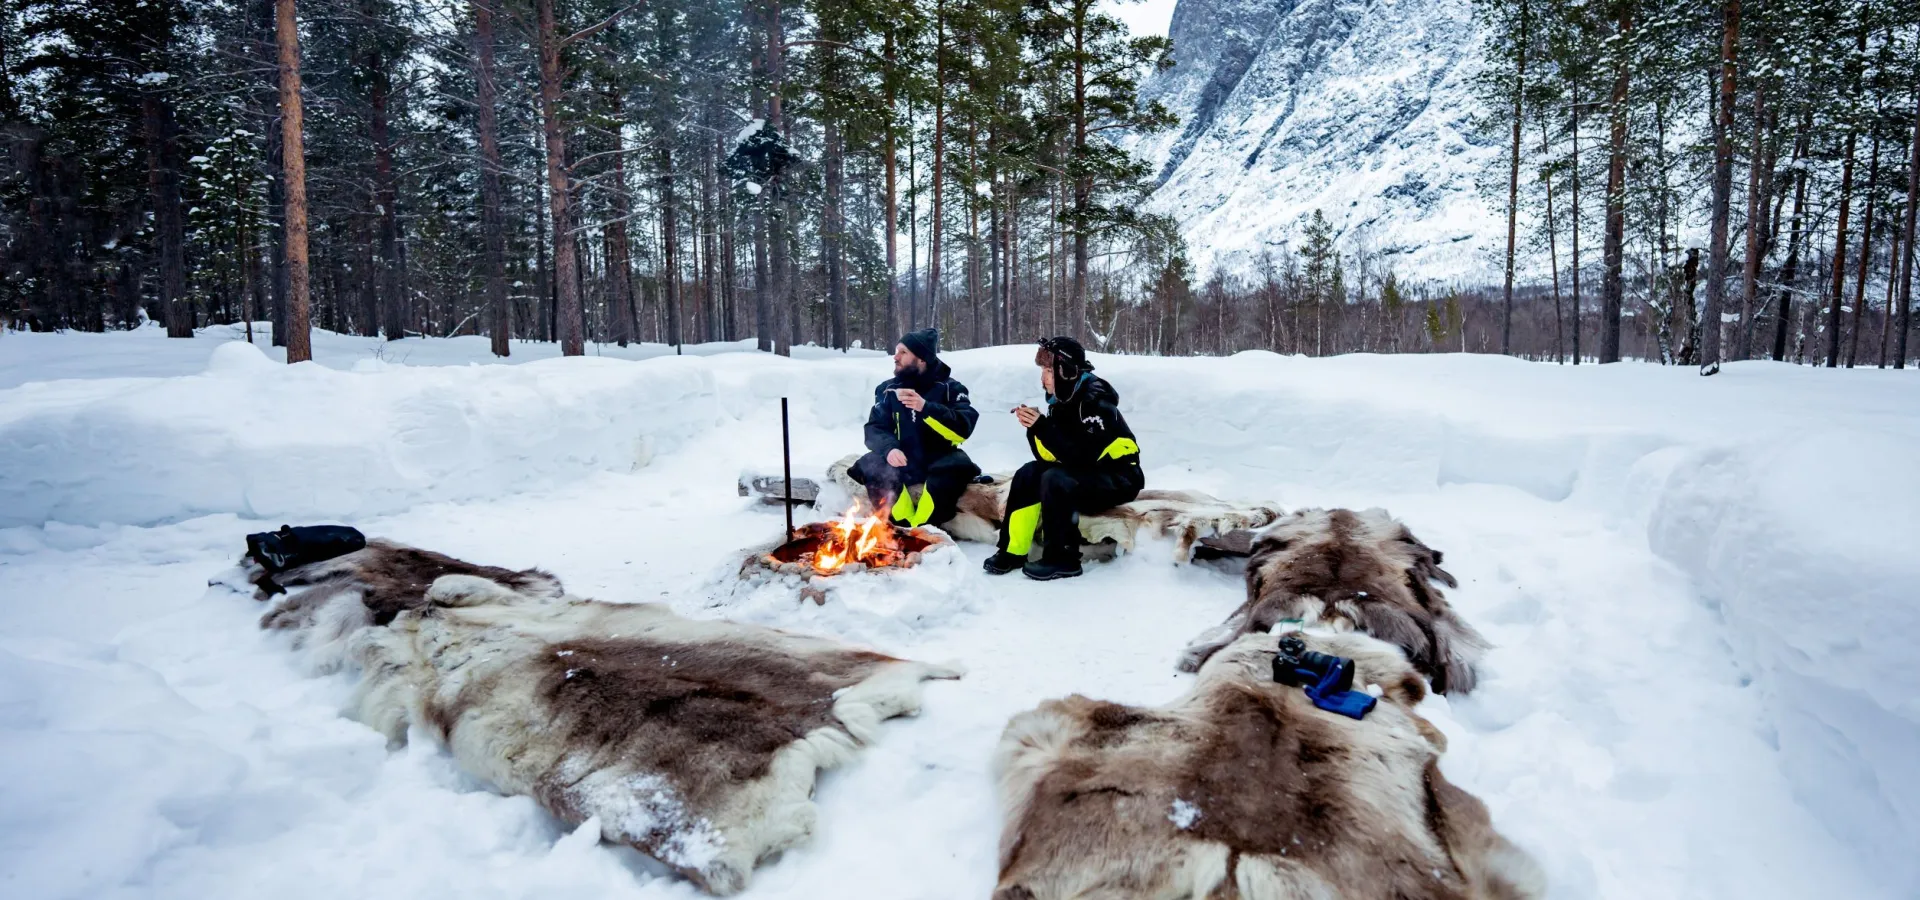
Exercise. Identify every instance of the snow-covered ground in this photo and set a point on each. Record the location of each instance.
(1700, 589)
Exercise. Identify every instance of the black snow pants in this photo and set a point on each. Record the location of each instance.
(1045, 496)
(945, 479)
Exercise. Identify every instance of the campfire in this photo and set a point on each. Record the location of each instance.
(852, 544)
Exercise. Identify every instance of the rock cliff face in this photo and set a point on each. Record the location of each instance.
(1359, 108)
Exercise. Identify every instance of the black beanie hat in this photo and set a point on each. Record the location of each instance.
(1064, 355)
(924, 343)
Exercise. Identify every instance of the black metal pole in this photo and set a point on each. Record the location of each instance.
(786, 464)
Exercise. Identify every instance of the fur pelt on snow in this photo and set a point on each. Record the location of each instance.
(1244, 790)
(697, 742)
(1360, 571)
(325, 603)
(1183, 516)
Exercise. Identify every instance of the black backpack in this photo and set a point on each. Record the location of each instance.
(278, 551)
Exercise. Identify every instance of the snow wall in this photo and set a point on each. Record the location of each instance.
(1796, 533)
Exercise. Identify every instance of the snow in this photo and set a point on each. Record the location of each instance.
(748, 130)
(1184, 814)
(1698, 588)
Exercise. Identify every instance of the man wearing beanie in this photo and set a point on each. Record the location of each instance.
(914, 468)
(1084, 461)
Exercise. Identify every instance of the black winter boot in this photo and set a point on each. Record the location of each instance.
(1002, 562)
(1050, 570)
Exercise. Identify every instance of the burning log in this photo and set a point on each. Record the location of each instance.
(850, 544)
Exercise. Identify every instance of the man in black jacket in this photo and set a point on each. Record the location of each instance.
(1085, 461)
(920, 417)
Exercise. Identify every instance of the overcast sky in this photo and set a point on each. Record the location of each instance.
(1143, 16)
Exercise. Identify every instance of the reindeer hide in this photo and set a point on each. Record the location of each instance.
(325, 603)
(697, 742)
(1244, 790)
(1360, 571)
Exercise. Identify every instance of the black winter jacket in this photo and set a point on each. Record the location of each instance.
(933, 432)
(1085, 428)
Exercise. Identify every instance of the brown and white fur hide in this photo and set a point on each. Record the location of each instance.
(1182, 516)
(324, 604)
(1244, 790)
(697, 742)
(1359, 571)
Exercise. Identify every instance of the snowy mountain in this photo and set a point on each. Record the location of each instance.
(1359, 108)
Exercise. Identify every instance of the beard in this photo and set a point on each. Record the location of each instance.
(909, 369)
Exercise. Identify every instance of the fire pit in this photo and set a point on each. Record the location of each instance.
(846, 545)
(824, 559)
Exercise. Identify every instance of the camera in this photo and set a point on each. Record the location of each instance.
(1296, 666)
(1326, 679)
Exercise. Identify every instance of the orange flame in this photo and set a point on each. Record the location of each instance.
(869, 540)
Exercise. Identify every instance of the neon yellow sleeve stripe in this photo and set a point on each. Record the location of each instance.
(944, 431)
(1045, 454)
(1120, 447)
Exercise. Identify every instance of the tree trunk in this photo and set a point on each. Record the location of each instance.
(294, 159)
(163, 183)
(832, 234)
(492, 221)
(1613, 289)
(1722, 192)
(995, 236)
(570, 321)
(393, 301)
(277, 205)
(365, 283)
(972, 194)
(1791, 268)
(1575, 105)
(779, 239)
(892, 225)
(1913, 241)
(1759, 184)
(621, 316)
(913, 225)
(729, 253)
(1553, 261)
(543, 273)
(710, 327)
(1082, 187)
(936, 225)
(1685, 317)
(760, 218)
(1866, 244)
(1893, 284)
(1513, 181)
(622, 313)
(1838, 287)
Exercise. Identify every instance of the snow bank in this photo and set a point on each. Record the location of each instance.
(303, 442)
(1806, 548)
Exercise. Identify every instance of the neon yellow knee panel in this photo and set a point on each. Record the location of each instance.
(1021, 524)
(914, 514)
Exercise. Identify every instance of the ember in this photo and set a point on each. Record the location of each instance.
(873, 542)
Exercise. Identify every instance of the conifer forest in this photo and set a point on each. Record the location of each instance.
(1684, 183)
